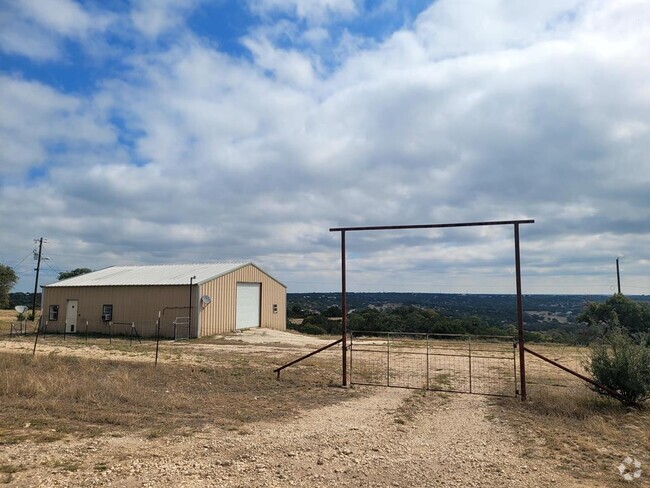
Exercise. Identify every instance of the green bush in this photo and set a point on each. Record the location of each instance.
(622, 363)
(312, 329)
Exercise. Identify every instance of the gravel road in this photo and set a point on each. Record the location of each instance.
(387, 437)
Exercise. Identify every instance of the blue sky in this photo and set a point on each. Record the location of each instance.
(173, 131)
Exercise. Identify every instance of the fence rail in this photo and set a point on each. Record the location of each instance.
(126, 331)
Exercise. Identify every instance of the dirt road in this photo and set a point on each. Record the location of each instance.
(391, 437)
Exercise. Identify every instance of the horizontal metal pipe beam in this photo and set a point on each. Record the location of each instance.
(432, 226)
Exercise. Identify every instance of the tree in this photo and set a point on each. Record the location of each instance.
(8, 279)
(617, 311)
(64, 275)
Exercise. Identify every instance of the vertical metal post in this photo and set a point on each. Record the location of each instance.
(86, 332)
(344, 312)
(157, 338)
(514, 364)
(189, 325)
(520, 318)
(36, 339)
(351, 342)
(388, 359)
(427, 361)
(618, 277)
(469, 345)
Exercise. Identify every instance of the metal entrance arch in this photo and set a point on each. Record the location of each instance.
(520, 313)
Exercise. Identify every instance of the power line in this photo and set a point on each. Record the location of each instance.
(22, 260)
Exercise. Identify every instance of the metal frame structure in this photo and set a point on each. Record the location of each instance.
(520, 313)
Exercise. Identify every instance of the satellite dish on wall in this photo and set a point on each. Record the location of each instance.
(21, 308)
(206, 300)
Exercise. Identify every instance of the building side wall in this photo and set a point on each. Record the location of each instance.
(139, 304)
(220, 315)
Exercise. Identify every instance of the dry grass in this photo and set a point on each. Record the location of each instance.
(46, 397)
(49, 396)
(580, 432)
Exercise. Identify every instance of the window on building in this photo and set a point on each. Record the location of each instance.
(275, 308)
(54, 313)
(107, 313)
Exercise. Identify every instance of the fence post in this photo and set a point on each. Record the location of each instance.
(388, 359)
(36, 339)
(351, 340)
(157, 337)
(514, 362)
(469, 345)
(427, 361)
(520, 317)
(86, 332)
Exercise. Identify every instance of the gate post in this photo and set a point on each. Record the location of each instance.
(469, 349)
(520, 318)
(344, 312)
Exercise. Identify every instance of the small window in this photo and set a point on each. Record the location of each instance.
(275, 308)
(107, 313)
(54, 313)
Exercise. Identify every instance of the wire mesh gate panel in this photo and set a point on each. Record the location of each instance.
(484, 365)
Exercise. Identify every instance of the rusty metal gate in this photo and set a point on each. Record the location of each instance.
(460, 363)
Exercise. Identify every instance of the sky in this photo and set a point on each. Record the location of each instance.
(186, 131)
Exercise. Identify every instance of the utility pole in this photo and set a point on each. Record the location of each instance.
(38, 268)
(618, 277)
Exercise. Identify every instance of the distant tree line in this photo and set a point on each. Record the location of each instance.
(23, 298)
(405, 318)
(594, 321)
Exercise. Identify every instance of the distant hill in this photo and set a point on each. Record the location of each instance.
(541, 312)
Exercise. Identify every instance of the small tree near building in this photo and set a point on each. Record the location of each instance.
(64, 275)
(8, 279)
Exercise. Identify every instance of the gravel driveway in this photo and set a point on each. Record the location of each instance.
(389, 437)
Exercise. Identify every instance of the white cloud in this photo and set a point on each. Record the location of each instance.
(155, 18)
(289, 66)
(540, 112)
(36, 120)
(37, 28)
(64, 17)
(313, 11)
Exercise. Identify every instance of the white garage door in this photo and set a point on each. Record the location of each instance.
(248, 305)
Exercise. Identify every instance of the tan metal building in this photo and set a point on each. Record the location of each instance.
(195, 299)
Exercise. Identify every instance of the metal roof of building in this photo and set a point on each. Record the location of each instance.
(160, 274)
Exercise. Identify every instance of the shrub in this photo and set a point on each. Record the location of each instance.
(622, 364)
(312, 329)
